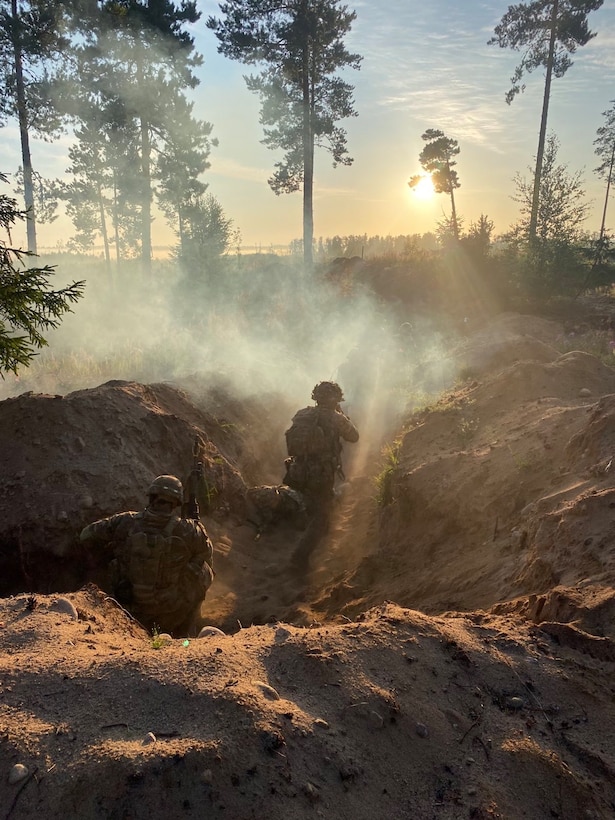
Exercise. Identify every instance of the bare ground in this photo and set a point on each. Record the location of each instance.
(450, 654)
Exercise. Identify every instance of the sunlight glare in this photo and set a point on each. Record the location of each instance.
(424, 188)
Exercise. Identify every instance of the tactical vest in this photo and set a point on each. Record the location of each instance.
(152, 563)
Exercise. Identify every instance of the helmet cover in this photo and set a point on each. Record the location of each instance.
(168, 487)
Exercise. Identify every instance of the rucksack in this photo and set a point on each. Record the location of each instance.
(150, 564)
(306, 437)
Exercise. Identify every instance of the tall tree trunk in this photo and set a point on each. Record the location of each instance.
(116, 225)
(180, 226)
(543, 126)
(146, 183)
(453, 209)
(308, 165)
(103, 233)
(599, 244)
(146, 205)
(28, 187)
(606, 198)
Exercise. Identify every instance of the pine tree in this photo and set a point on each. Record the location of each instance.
(437, 158)
(301, 48)
(547, 31)
(136, 62)
(28, 306)
(605, 150)
(32, 38)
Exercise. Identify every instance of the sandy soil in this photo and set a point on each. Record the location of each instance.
(450, 653)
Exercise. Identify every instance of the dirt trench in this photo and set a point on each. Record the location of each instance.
(499, 491)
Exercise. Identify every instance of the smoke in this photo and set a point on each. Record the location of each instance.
(258, 325)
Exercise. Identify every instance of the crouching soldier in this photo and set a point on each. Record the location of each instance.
(160, 564)
(268, 505)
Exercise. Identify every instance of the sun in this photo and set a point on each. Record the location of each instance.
(424, 188)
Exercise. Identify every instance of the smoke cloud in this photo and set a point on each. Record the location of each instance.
(257, 325)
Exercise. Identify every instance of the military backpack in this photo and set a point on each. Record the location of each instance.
(306, 437)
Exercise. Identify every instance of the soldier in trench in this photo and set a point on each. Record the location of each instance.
(314, 444)
(160, 565)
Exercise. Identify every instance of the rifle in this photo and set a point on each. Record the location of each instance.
(194, 483)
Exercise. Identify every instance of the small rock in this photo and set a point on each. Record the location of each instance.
(208, 631)
(516, 537)
(268, 691)
(515, 703)
(272, 740)
(472, 790)
(149, 738)
(281, 634)
(422, 730)
(584, 392)
(348, 771)
(311, 792)
(62, 516)
(322, 724)
(208, 777)
(18, 773)
(66, 607)
(86, 501)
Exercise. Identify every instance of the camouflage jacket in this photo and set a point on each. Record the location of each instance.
(166, 560)
(315, 475)
(335, 422)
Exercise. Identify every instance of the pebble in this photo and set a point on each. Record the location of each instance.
(281, 634)
(18, 773)
(321, 723)
(209, 631)
(150, 737)
(208, 777)
(584, 392)
(515, 703)
(311, 792)
(268, 691)
(65, 606)
(422, 730)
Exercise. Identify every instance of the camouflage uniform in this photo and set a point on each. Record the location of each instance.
(314, 475)
(268, 504)
(161, 565)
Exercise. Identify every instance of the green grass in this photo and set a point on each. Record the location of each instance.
(383, 480)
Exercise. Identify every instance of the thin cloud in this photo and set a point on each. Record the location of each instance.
(231, 169)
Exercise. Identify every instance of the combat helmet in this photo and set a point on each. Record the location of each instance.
(168, 487)
(327, 393)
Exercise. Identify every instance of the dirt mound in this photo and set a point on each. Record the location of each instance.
(395, 715)
(68, 460)
(507, 339)
(491, 515)
(501, 489)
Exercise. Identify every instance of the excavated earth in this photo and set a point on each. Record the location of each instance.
(449, 654)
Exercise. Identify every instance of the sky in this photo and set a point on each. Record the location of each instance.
(425, 65)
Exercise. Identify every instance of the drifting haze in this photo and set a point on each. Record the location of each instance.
(260, 329)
